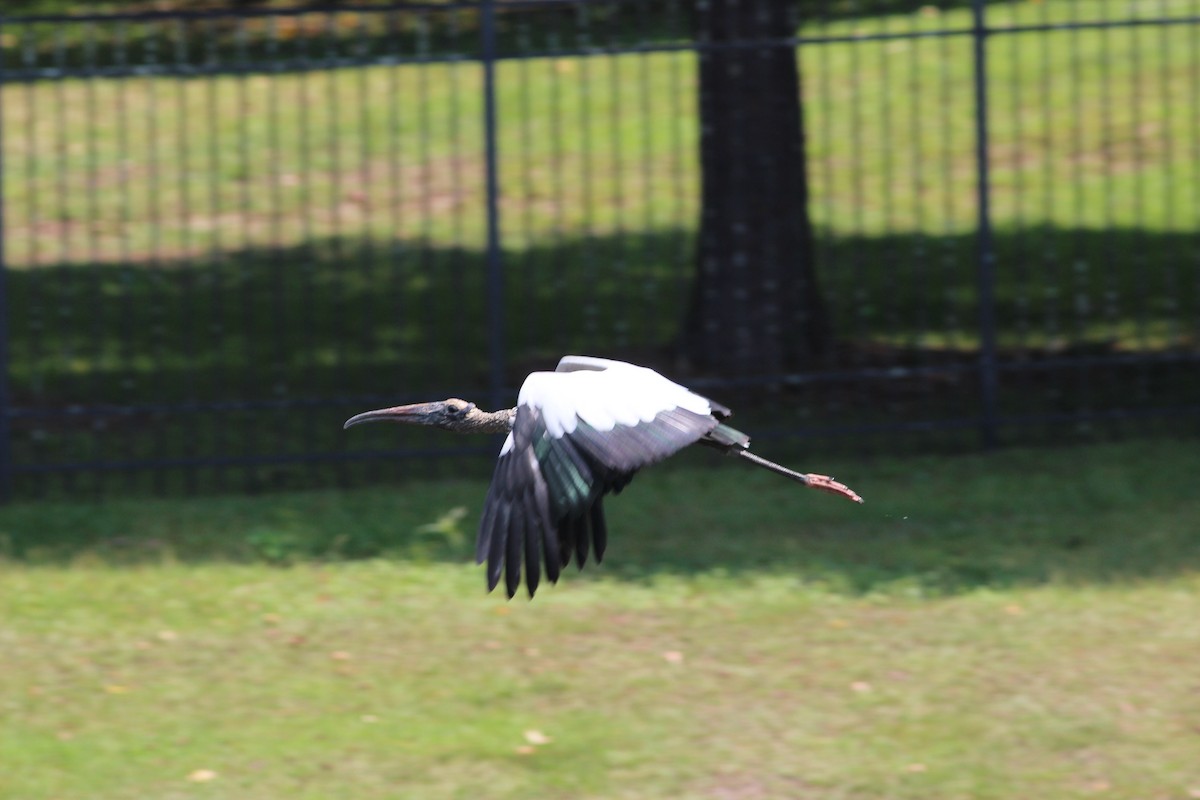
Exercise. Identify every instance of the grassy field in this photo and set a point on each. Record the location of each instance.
(275, 235)
(1089, 129)
(1021, 625)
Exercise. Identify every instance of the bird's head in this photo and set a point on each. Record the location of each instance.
(452, 414)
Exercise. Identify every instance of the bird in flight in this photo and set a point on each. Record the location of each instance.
(575, 435)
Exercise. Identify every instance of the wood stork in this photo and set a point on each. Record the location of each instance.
(575, 435)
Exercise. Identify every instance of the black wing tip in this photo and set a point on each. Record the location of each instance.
(719, 411)
(512, 591)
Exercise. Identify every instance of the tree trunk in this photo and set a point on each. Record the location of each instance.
(756, 307)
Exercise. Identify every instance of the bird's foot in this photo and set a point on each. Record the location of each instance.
(825, 483)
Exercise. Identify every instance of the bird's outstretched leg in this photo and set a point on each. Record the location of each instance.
(822, 483)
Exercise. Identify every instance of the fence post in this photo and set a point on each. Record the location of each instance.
(495, 265)
(986, 252)
(5, 437)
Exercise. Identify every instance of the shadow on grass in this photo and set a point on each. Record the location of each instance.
(1088, 514)
(312, 333)
(328, 316)
(931, 525)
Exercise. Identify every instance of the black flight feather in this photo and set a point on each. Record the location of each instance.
(495, 559)
(719, 411)
(566, 542)
(549, 533)
(533, 534)
(512, 558)
(724, 437)
(599, 531)
(579, 532)
(486, 533)
(544, 504)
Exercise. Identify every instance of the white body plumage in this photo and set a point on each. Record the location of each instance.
(603, 394)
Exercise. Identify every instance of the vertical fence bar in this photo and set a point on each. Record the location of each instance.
(986, 246)
(5, 440)
(495, 266)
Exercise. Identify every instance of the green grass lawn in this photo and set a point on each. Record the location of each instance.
(1089, 129)
(1017, 625)
(319, 234)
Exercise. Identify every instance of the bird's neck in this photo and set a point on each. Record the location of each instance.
(479, 421)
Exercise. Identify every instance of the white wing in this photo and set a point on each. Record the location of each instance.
(575, 363)
(578, 363)
(579, 433)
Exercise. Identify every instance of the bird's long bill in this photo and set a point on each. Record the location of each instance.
(412, 414)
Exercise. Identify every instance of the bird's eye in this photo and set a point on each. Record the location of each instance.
(453, 409)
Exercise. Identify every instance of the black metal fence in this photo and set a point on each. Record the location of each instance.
(224, 232)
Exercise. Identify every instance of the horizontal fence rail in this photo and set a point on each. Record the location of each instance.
(223, 231)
